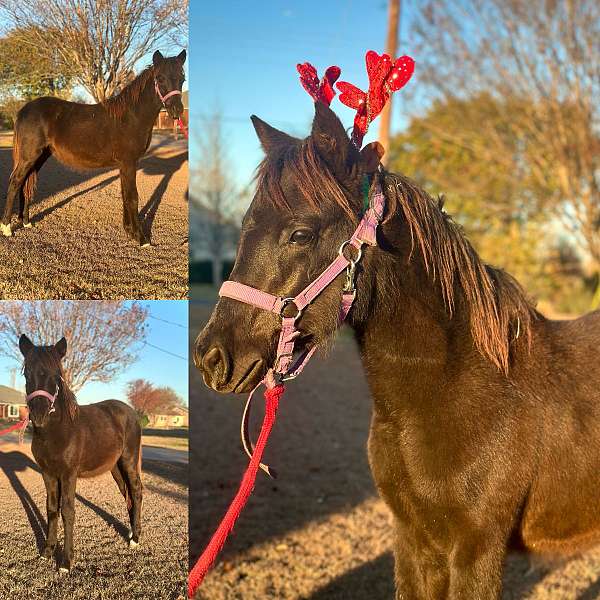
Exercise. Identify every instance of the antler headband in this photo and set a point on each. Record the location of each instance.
(385, 78)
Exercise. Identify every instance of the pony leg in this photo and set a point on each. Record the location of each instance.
(131, 221)
(130, 465)
(67, 508)
(29, 188)
(476, 567)
(419, 573)
(15, 187)
(52, 502)
(120, 480)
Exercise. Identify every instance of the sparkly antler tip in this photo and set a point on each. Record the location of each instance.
(320, 90)
(385, 78)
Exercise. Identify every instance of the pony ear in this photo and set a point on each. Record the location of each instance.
(371, 156)
(157, 58)
(25, 344)
(61, 347)
(182, 56)
(269, 136)
(331, 140)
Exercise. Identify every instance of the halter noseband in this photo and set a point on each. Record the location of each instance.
(164, 98)
(51, 398)
(285, 367)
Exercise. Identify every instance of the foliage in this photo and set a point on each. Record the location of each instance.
(539, 62)
(27, 72)
(497, 199)
(99, 42)
(103, 337)
(147, 399)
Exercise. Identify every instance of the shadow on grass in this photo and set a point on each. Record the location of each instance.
(373, 579)
(121, 528)
(175, 472)
(166, 167)
(11, 464)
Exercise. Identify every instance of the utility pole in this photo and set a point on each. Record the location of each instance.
(391, 47)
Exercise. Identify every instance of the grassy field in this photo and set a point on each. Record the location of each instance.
(177, 439)
(77, 247)
(105, 567)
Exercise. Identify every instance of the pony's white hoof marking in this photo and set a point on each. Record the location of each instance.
(6, 230)
(27, 225)
(133, 544)
(146, 245)
(63, 570)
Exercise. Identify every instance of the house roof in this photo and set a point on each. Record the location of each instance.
(9, 395)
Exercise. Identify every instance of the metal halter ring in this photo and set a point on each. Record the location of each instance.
(358, 252)
(284, 303)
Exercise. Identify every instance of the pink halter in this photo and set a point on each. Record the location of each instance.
(51, 398)
(164, 98)
(285, 367)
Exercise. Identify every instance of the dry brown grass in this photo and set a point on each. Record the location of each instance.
(77, 247)
(318, 532)
(105, 567)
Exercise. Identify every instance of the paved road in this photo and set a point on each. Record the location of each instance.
(165, 454)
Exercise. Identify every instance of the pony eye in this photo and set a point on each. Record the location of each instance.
(301, 236)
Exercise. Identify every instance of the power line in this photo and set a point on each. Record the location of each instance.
(165, 351)
(168, 322)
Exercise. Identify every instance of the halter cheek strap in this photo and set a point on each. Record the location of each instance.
(164, 98)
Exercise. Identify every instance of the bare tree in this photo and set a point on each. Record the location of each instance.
(541, 56)
(99, 41)
(103, 337)
(215, 194)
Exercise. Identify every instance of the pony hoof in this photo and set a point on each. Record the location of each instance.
(63, 570)
(146, 245)
(27, 225)
(133, 544)
(6, 230)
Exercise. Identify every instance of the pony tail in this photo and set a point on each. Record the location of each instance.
(30, 184)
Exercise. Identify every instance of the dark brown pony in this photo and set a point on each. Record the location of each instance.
(115, 133)
(74, 441)
(485, 433)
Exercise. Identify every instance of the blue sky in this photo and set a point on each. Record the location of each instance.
(244, 56)
(153, 364)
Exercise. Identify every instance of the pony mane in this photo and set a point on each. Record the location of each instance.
(499, 310)
(309, 173)
(45, 356)
(130, 95)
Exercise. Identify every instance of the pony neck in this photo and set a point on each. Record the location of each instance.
(149, 105)
(405, 319)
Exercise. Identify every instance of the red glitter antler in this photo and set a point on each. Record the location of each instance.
(319, 90)
(385, 78)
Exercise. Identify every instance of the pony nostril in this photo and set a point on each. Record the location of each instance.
(215, 365)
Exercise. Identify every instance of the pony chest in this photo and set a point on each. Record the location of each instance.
(51, 458)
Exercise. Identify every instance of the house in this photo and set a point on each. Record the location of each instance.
(203, 221)
(177, 417)
(12, 404)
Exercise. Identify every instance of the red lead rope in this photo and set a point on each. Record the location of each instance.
(218, 539)
(182, 126)
(19, 425)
